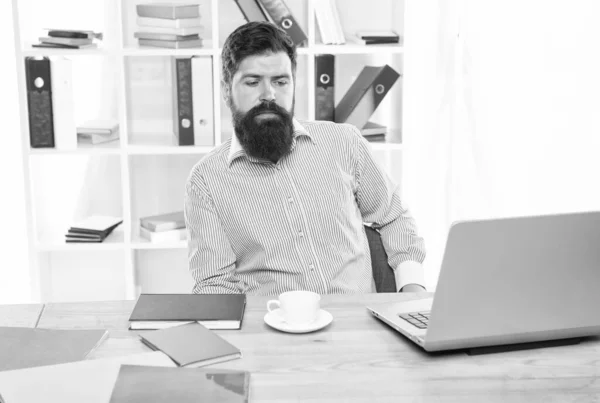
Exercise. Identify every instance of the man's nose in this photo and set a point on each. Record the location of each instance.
(267, 92)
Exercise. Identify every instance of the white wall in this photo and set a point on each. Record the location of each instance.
(14, 255)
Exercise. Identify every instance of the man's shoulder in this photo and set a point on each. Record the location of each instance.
(214, 161)
(330, 131)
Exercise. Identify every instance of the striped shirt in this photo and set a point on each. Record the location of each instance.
(262, 228)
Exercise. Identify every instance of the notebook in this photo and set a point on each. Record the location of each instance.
(191, 345)
(143, 384)
(22, 347)
(215, 311)
(89, 381)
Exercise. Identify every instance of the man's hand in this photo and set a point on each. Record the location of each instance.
(412, 288)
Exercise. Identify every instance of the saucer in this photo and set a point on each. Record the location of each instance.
(275, 320)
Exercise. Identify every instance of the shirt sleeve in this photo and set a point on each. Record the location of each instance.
(210, 256)
(378, 199)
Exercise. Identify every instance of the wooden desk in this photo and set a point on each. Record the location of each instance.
(359, 359)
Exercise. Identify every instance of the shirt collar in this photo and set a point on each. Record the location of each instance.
(236, 150)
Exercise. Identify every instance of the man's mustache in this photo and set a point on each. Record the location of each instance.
(267, 106)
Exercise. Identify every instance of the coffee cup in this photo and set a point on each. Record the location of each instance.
(297, 307)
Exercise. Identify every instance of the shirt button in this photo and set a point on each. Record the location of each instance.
(290, 200)
(301, 234)
(312, 267)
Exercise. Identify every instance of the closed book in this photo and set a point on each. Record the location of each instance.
(97, 138)
(65, 134)
(39, 102)
(72, 33)
(164, 37)
(88, 381)
(167, 23)
(374, 35)
(173, 235)
(143, 384)
(63, 46)
(168, 10)
(99, 126)
(251, 10)
(191, 345)
(96, 224)
(183, 110)
(373, 129)
(365, 94)
(194, 43)
(184, 31)
(283, 18)
(324, 87)
(66, 41)
(164, 222)
(215, 311)
(202, 100)
(22, 347)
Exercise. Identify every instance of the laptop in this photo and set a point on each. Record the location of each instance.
(508, 282)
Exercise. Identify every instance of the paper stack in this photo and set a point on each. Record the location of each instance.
(169, 25)
(169, 227)
(92, 229)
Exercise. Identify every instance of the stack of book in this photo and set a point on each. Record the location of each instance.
(68, 39)
(98, 131)
(169, 227)
(169, 25)
(92, 229)
(376, 37)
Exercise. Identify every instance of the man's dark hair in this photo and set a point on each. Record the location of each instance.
(254, 38)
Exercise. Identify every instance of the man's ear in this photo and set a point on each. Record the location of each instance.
(226, 93)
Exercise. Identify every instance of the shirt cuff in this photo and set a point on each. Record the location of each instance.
(409, 272)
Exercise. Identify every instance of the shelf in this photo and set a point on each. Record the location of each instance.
(161, 144)
(56, 242)
(350, 48)
(110, 148)
(28, 50)
(140, 243)
(135, 50)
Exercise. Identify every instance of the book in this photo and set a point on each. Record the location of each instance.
(167, 23)
(173, 235)
(365, 94)
(22, 347)
(39, 102)
(97, 138)
(144, 384)
(66, 41)
(215, 311)
(164, 37)
(194, 43)
(63, 46)
(184, 31)
(163, 222)
(96, 224)
(377, 35)
(191, 345)
(73, 33)
(168, 10)
(89, 381)
(373, 129)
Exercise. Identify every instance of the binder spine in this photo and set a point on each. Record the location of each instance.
(39, 102)
(183, 119)
(65, 133)
(203, 111)
(282, 16)
(251, 10)
(324, 87)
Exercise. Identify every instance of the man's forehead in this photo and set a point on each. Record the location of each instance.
(266, 63)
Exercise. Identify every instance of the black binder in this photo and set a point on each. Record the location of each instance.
(251, 10)
(282, 17)
(324, 87)
(365, 95)
(183, 119)
(39, 102)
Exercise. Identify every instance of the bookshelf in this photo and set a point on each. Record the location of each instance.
(143, 173)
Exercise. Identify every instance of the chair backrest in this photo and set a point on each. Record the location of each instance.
(383, 274)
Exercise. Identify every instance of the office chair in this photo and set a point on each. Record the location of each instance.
(383, 274)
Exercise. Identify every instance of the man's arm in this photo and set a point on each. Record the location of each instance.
(378, 199)
(211, 259)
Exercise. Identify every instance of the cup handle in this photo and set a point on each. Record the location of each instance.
(272, 302)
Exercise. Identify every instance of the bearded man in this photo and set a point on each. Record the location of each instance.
(281, 205)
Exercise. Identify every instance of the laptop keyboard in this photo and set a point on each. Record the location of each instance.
(418, 319)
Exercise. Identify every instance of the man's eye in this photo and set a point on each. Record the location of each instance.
(281, 82)
(252, 83)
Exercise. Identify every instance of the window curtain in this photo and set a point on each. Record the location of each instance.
(502, 112)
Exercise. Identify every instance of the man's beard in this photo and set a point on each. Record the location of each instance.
(268, 137)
